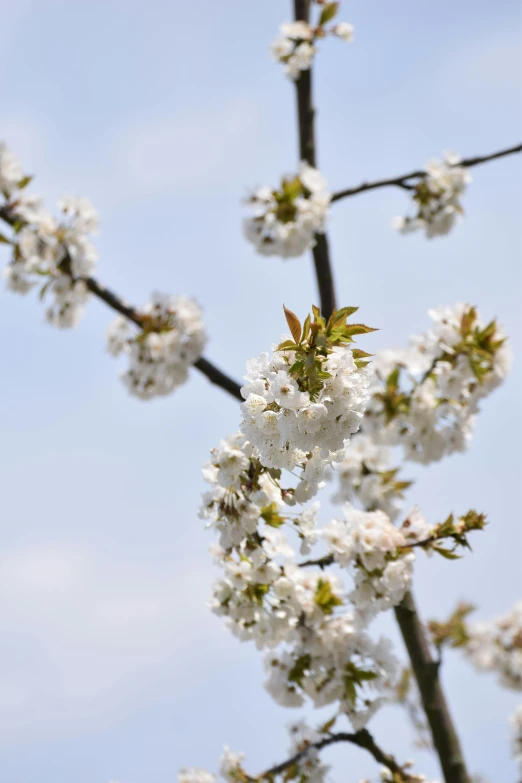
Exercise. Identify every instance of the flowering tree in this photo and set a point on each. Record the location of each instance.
(316, 409)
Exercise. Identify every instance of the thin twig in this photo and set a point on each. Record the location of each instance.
(362, 739)
(403, 180)
(123, 307)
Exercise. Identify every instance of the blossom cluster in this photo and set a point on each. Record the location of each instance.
(377, 555)
(295, 45)
(171, 339)
(369, 476)
(284, 222)
(497, 647)
(313, 626)
(304, 400)
(437, 198)
(425, 398)
(315, 630)
(55, 255)
(268, 598)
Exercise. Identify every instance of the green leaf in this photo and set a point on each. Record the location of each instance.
(358, 354)
(4, 240)
(294, 323)
(328, 13)
(363, 676)
(324, 597)
(299, 669)
(24, 182)
(272, 516)
(341, 315)
(44, 288)
(325, 728)
(297, 367)
(352, 329)
(306, 326)
(349, 690)
(446, 553)
(292, 188)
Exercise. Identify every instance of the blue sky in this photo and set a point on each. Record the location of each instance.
(164, 114)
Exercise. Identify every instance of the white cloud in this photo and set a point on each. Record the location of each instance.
(80, 635)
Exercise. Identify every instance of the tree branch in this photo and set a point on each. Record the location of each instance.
(426, 671)
(402, 181)
(307, 152)
(362, 739)
(115, 302)
(216, 376)
(322, 562)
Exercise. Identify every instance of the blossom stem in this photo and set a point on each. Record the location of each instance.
(426, 671)
(403, 180)
(308, 153)
(362, 739)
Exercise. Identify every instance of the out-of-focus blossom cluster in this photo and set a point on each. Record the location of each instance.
(425, 398)
(437, 198)
(53, 255)
(494, 646)
(368, 476)
(284, 221)
(172, 338)
(497, 647)
(295, 46)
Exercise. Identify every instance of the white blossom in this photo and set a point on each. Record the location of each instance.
(437, 198)
(172, 339)
(516, 736)
(295, 45)
(425, 398)
(230, 762)
(310, 768)
(57, 253)
(285, 222)
(11, 172)
(286, 427)
(344, 31)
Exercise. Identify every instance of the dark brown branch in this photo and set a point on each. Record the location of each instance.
(322, 562)
(403, 180)
(362, 739)
(215, 375)
(308, 153)
(114, 301)
(121, 306)
(426, 671)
